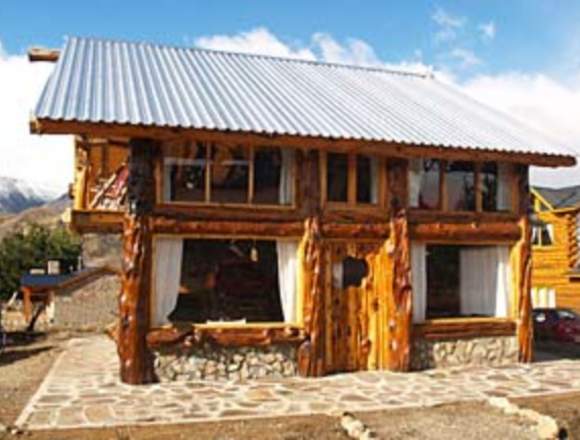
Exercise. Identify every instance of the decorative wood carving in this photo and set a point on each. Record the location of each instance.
(136, 360)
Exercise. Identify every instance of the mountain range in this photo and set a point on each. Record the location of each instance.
(18, 195)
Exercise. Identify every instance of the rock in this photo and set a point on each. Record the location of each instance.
(547, 428)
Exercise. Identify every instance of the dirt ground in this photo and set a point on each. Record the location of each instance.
(457, 421)
(25, 363)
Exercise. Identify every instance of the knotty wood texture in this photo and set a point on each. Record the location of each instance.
(136, 361)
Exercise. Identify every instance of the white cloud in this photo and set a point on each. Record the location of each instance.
(448, 25)
(465, 57)
(258, 40)
(46, 159)
(541, 102)
(487, 31)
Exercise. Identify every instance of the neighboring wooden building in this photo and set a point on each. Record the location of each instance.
(556, 262)
(284, 216)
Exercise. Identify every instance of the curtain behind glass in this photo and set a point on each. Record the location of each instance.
(287, 252)
(415, 177)
(287, 177)
(167, 277)
(419, 280)
(504, 187)
(484, 281)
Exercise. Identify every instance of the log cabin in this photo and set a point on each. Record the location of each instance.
(555, 233)
(282, 216)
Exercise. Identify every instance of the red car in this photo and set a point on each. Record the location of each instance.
(561, 325)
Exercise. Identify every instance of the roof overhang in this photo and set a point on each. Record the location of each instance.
(108, 130)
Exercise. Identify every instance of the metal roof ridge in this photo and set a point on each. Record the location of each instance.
(379, 69)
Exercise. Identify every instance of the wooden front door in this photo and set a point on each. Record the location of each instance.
(348, 290)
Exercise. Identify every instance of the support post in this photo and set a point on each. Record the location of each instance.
(311, 352)
(522, 267)
(399, 302)
(136, 360)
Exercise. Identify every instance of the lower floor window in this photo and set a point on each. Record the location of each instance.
(204, 281)
(543, 297)
(459, 281)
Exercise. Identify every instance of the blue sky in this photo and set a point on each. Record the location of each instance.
(530, 34)
(521, 56)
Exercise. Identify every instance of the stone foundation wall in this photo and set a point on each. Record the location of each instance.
(499, 350)
(225, 363)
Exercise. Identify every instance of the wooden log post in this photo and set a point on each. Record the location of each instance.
(399, 302)
(521, 260)
(311, 352)
(136, 360)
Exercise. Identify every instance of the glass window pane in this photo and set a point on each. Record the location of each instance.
(267, 170)
(229, 174)
(461, 186)
(489, 186)
(443, 280)
(367, 176)
(274, 176)
(429, 191)
(184, 177)
(337, 177)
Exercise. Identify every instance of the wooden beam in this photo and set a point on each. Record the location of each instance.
(43, 54)
(464, 328)
(379, 148)
(136, 361)
(476, 232)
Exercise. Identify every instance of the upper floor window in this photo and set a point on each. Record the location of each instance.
(543, 234)
(352, 179)
(228, 174)
(459, 186)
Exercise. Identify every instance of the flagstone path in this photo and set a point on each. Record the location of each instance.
(83, 390)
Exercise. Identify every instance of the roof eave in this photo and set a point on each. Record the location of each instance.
(103, 129)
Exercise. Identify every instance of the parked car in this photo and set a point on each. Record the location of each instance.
(562, 325)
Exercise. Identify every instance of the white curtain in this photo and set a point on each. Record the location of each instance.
(415, 177)
(484, 281)
(374, 180)
(504, 187)
(287, 177)
(167, 277)
(287, 272)
(167, 182)
(543, 297)
(419, 280)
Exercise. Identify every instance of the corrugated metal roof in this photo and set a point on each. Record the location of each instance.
(566, 197)
(147, 84)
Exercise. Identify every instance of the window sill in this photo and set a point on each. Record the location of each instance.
(459, 328)
(226, 335)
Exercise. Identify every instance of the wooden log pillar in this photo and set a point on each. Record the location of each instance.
(311, 352)
(136, 361)
(521, 262)
(399, 300)
(27, 303)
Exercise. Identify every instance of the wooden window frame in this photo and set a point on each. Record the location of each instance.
(477, 166)
(231, 326)
(352, 203)
(160, 170)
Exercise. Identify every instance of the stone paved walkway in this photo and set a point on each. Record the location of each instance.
(82, 390)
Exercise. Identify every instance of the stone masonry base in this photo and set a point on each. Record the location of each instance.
(225, 363)
(489, 351)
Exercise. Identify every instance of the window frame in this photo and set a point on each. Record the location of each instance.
(478, 184)
(207, 202)
(351, 190)
(552, 235)
(232, 326)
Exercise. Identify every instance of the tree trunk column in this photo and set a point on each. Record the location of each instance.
(136, 361)
(523, 268)
(399, 300)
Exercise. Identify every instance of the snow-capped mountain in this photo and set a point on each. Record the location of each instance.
(17, 195)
